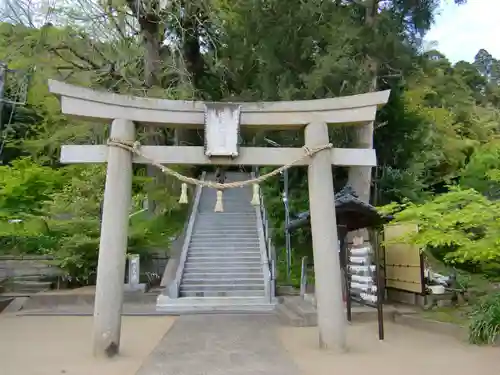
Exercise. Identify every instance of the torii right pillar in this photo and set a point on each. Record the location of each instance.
(330, 305)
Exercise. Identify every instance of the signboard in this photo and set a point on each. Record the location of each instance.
(403, 263)
(222, 129)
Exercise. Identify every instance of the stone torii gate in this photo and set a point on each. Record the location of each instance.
(221, 135)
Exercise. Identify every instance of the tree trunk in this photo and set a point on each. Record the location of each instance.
(360, 178)
(147, 14)
(151, 56)
(191, 49)
(151, 67)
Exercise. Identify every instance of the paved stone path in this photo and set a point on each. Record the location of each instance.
(220, 344)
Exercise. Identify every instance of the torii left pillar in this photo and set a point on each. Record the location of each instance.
(113, 244)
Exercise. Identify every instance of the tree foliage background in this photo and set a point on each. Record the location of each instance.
(439, 128)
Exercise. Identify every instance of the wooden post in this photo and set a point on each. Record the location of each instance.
(330, 306)
(113, 244)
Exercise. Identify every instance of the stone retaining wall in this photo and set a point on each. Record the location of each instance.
(29, 265)
(40, 265)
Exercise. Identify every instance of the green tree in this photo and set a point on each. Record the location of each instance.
(460, 227)
(482, 172)
(25, 187)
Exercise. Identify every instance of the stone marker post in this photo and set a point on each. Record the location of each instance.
(330, 306)
(133, 270)
(113, 243)
(134, 273)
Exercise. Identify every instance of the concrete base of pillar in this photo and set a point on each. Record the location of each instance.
(134, 288)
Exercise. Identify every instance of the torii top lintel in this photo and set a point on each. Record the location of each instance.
(87, 103)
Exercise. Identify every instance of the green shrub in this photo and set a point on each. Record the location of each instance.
(460, 227)
(484, 325)
(59, 211)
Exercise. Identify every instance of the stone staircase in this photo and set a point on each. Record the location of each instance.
(225, 266)
(28, 284)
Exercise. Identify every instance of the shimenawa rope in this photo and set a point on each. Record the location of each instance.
(134, 147)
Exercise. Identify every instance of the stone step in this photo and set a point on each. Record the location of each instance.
(230, 244)
(242, 198)
(222, 230)
(229, 194)
(225, 305)
(187, 281)
(222, 241)
(224, 235)
(249, 215)
(222, 287)
(204, 275)
(228, 216)
(244, 231)
(218, 220)
(228, 262)
(231, 227)
(237, 213)
(239, 207)
(15, 305)
(235, 249)
(28, 286)
(225, 239)
(229, 247)
(231, 266)
(288, 317)
(235, 218)
(234, 221)
(210, 214)
(229, 236)
(294, 307)
(227, 258)
(252, 257)
(26, 278)
(223, 275)
(223, 253)
(225, 261)
(217, 268)
(222, 293)
(234, 198)
(222, 259)
(215, 219)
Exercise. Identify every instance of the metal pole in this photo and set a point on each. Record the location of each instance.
(380, 308)
(287, 222)
(3, 69)
(288, 246)
(303, 277)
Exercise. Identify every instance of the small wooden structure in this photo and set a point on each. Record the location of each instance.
(361, 263)
(403, 264)
(221, 122)
(352, 214)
